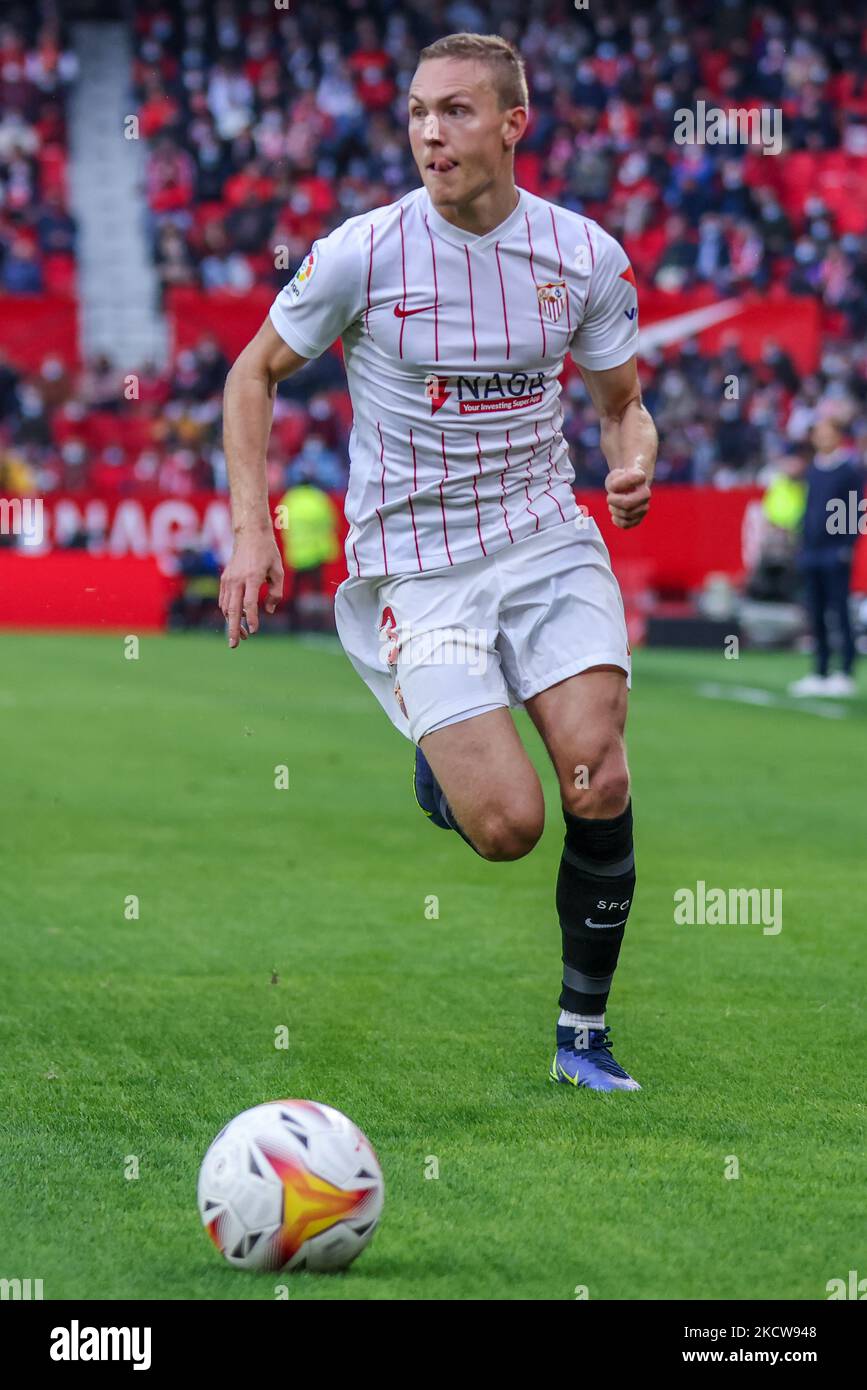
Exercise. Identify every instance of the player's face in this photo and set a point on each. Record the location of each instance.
(460, 137)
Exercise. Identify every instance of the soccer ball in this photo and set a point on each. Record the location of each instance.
(291, 1184)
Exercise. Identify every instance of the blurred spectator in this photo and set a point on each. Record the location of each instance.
(35, 69)
(309, 537)
(22, 272)
(831, 527)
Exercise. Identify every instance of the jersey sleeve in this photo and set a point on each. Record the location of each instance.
(324, 295)
(608, 333)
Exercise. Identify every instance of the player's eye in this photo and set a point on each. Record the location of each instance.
(457, 110)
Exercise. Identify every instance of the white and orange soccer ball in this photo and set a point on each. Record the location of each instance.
(291, 1184)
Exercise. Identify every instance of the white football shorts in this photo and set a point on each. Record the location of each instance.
(446, 644)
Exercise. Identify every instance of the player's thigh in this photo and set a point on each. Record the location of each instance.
(489, 782)
(581, 721)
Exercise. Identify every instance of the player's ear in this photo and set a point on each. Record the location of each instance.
(514, 125)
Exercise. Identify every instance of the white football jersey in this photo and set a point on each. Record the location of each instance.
(453, 344)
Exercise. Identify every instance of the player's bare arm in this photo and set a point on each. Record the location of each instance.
(248, 407)
(628, 438)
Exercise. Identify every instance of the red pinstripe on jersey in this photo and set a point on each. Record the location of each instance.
(414, 464)
(403, 272)
(433, 255)
(378, 512)
(592, 264)
(560, 267)
(503, 293)
(476, 493)
(472, 305)
(530, 477)
(414, 531)
(369, 275)
(533, 278)
(409, 500)
(442, 500)
(547, 487)
(381, 460)
(503, 488)
(559, 432)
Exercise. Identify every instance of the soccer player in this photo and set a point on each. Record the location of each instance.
(475, 583)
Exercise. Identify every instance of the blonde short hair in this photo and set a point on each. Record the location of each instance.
(503, 59)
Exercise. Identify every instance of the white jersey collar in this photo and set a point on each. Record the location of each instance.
(459, 237)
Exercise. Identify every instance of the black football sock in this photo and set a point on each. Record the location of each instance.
(594, 894)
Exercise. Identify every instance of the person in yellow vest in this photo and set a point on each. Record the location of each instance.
(775, 577)
(17, 478)
(307, 527)
(784, 501)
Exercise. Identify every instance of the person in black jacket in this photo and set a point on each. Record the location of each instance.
(830, 530)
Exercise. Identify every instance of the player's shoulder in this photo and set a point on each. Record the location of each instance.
(584, 242)
(357, 229)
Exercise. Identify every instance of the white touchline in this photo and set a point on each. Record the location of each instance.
(749, 695)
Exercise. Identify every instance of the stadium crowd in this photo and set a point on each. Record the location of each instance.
(37, 234)
(267, 125)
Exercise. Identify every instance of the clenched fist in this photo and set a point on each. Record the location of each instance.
(628, 495)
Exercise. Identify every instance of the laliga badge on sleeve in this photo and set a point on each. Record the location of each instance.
(303, 274)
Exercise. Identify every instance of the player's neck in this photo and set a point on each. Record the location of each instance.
(484, 213)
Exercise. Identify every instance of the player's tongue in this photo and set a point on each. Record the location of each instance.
(442, 166)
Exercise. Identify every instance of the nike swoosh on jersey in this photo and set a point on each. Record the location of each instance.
(405, 313)
(588, 923)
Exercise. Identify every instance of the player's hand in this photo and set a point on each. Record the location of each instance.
(628, 495)
(255, 561)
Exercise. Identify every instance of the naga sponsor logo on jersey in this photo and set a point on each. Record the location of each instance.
(552, 298)
(435, 390)
(303, 274)
(477, 395)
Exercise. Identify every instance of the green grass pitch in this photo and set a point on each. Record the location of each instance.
(138, 1039)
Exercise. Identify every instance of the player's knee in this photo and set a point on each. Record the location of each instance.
(504, 834)
(602, 788)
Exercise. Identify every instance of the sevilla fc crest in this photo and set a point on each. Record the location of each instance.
(552, 298)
